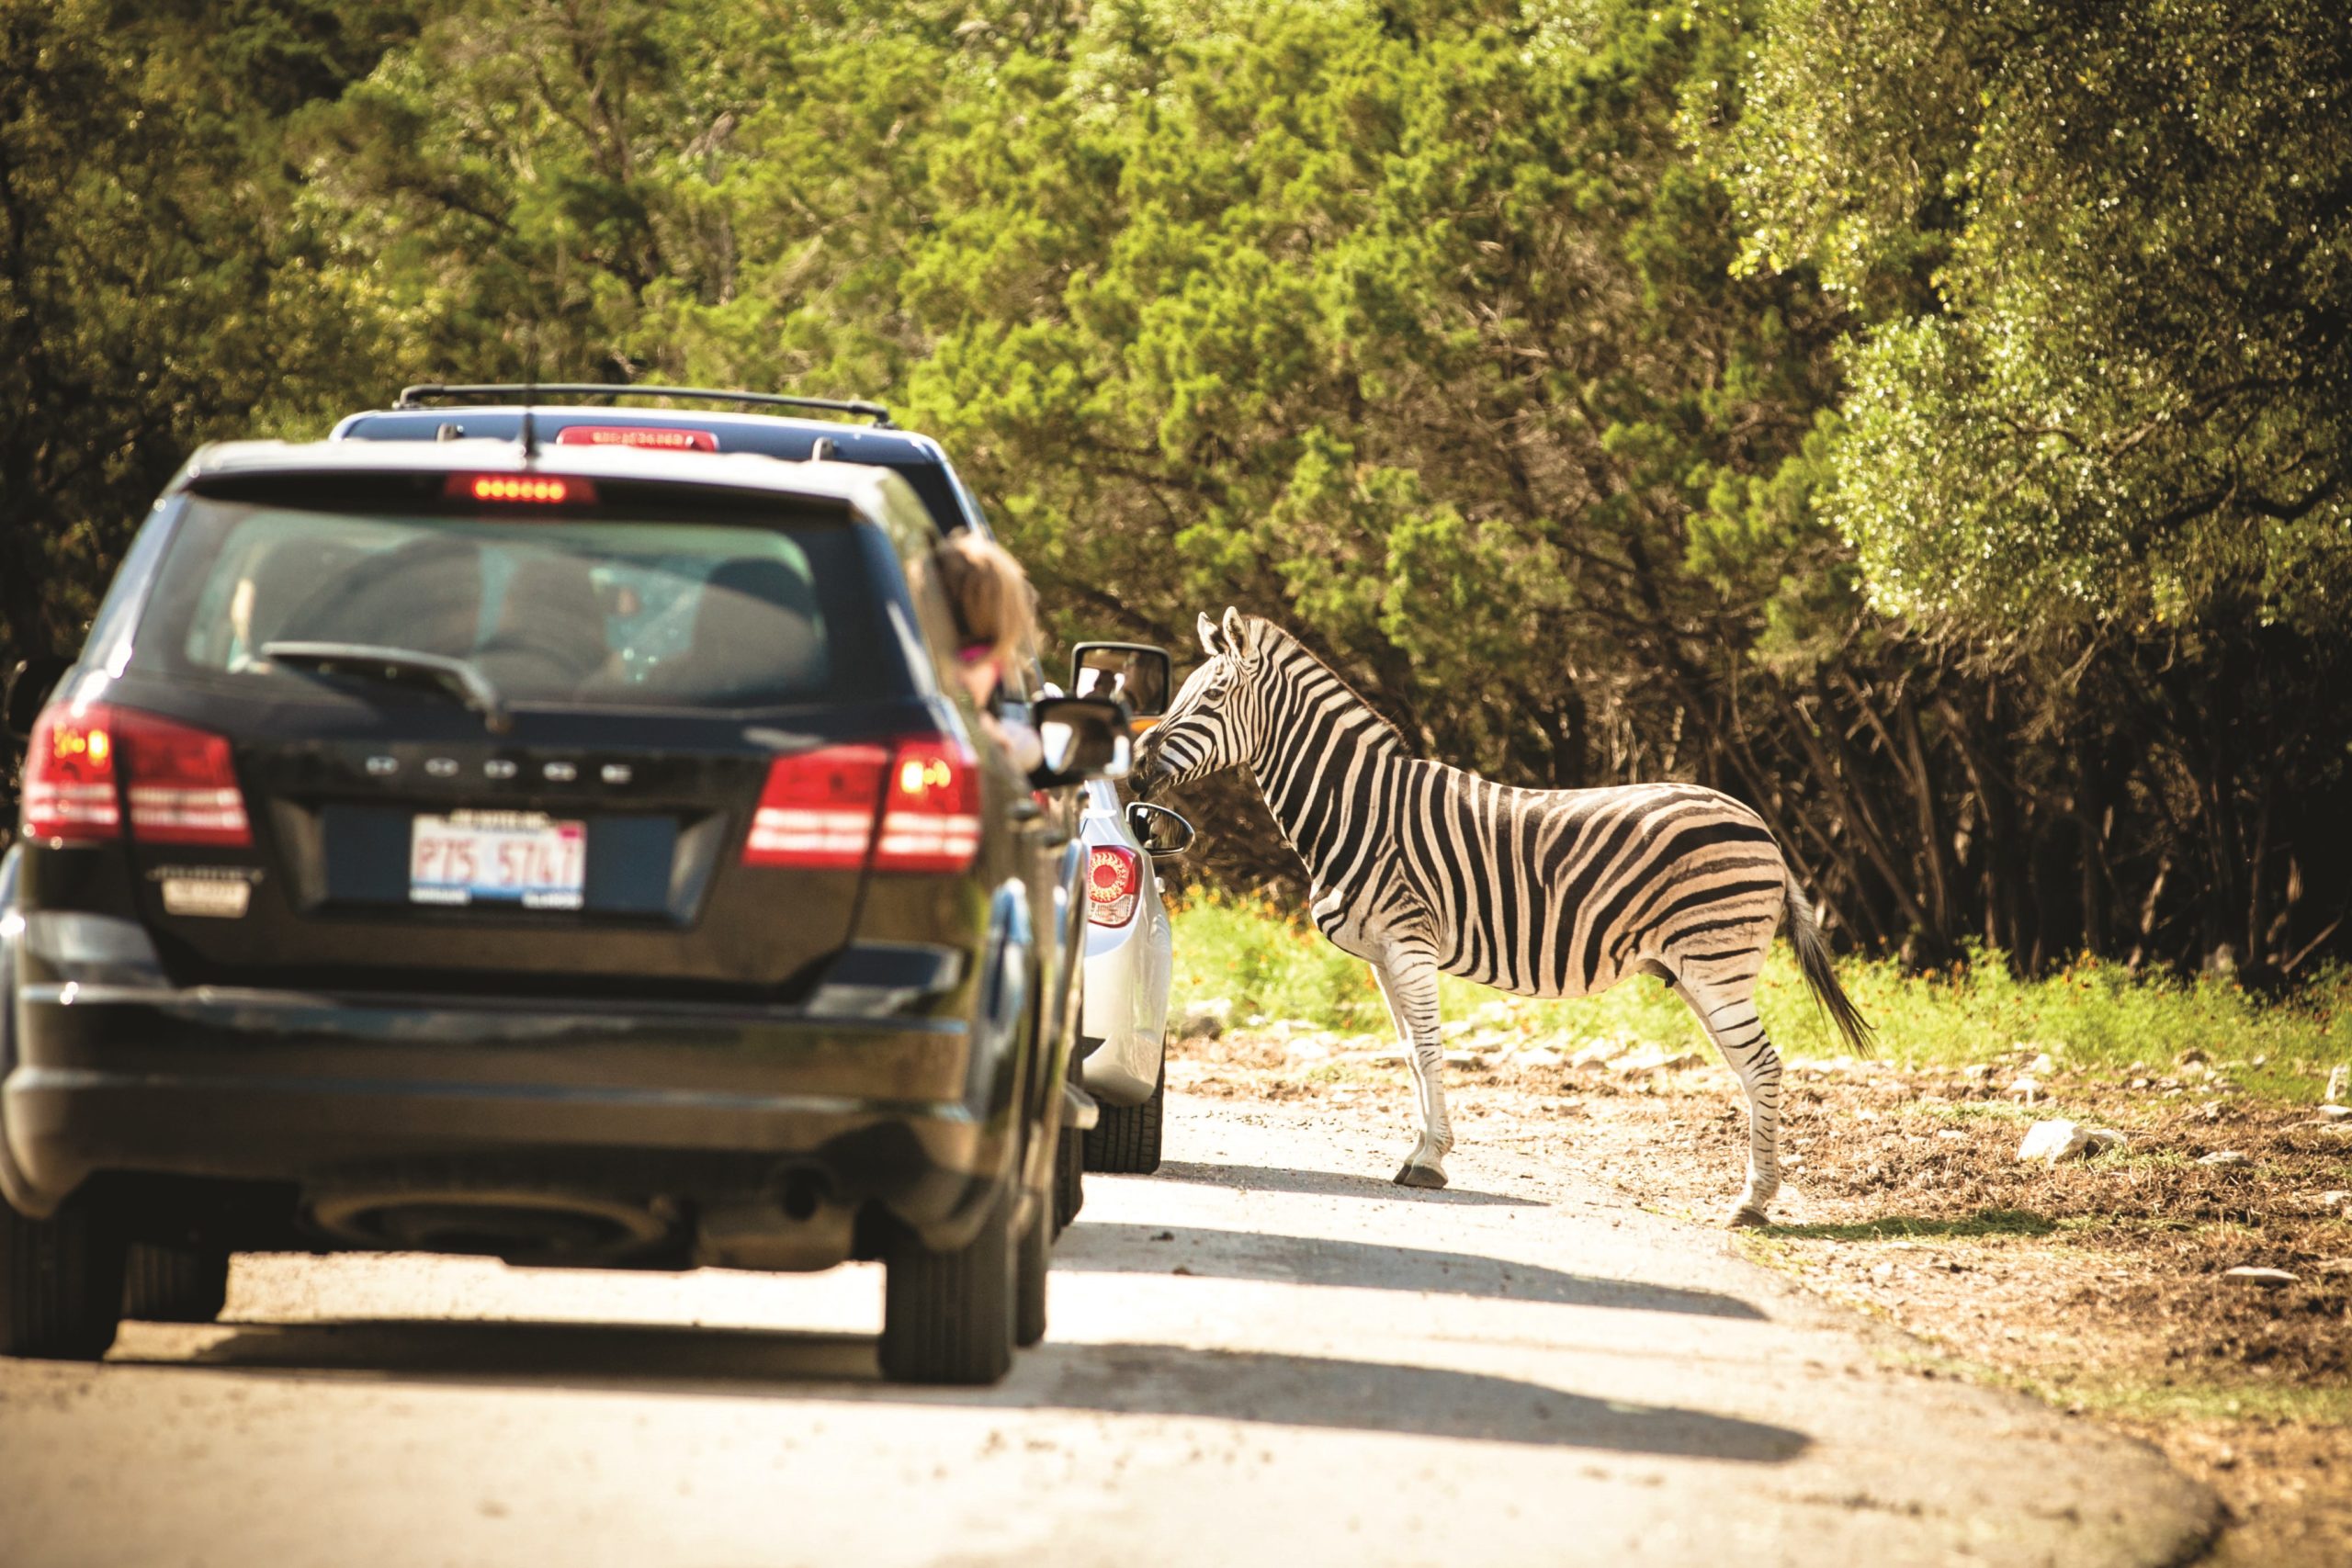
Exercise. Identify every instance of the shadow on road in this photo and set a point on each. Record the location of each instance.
(1114, 1379)
(1318, 1260)
(1325, 1184)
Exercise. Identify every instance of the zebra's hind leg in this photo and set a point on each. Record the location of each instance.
(1728, 1015)
(1409, 983)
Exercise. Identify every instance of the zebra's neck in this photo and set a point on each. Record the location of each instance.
(1323, 758)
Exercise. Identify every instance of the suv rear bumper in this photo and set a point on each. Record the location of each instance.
(757, 1137)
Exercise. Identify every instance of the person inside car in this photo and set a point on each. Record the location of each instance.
(996, 612)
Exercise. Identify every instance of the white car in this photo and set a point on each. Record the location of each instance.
(1130, 948)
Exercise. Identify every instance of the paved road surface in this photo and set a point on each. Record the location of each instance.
(1254, 1360)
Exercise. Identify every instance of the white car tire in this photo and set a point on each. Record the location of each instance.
(1126, 1140)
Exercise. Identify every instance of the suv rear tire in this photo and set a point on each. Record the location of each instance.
(1069, 1179)
(1124, 1140)
(947, 1318)
(174, 1282)
(1035, 1261)
(61, 1282)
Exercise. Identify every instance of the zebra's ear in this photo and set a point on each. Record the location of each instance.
(1208, 636)
(1236, 634)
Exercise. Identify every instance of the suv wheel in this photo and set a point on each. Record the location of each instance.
(1125, 1139)
(61, 1282)
(1030, 1269)
(948, 1317)
(1069, 1179)
(174, 1282)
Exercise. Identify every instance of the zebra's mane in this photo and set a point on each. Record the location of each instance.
(1382, 719)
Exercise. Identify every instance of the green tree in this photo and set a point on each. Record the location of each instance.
(158, 285)
(2096, 426)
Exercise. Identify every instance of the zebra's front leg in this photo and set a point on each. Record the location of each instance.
(1409, 983)
(1729, 1018)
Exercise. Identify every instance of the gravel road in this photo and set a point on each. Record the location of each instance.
(1265, 1354)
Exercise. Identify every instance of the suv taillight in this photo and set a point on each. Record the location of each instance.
(69, 777)
(1113, 875)
(179, 781)
(931, 807)
(819, 810)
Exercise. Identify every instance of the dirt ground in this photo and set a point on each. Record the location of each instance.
(2097, 1284)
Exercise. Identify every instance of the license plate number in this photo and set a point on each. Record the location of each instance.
(497, 857)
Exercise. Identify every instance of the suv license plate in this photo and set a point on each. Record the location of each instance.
(497, 857)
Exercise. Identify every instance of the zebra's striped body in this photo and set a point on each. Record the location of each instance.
(1423, 869)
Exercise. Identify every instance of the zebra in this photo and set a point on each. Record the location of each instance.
(1422, 870)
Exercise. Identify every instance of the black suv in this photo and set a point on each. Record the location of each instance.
(573, 850)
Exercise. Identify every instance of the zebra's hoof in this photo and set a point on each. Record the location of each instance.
(1747, 1216)
(1420, 1176)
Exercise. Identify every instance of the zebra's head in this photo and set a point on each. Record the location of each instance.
(1211, 725)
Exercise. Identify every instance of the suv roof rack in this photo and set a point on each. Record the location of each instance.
(434, 391)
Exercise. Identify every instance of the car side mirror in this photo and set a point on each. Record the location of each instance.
(1084, 738)
(29, 684)
(1134, 672)
(1164, 834)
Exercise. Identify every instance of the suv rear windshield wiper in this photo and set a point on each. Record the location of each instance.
(457, 676)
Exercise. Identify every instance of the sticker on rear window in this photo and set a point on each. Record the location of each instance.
(663, 437)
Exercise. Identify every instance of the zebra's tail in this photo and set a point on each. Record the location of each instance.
(1812, 959)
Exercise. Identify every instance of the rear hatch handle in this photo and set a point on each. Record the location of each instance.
(456, 676)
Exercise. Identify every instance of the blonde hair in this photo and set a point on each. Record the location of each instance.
(989, 593)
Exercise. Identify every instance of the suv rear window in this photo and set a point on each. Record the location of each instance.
(597, 612)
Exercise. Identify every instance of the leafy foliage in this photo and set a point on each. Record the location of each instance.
(1921, 420)
(2110, 252)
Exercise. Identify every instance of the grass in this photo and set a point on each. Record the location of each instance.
(2170, 1398)
(1270, 962)
(1910, 1227)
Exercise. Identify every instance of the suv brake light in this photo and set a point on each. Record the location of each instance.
(913, 806)
(1112, 876)
(180, 782)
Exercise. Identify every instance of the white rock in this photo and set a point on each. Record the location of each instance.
(2025, 1090)
(2333, 1113)
(1205, 1019)
(1980, 1070)
(2337, 1076)
(2334, 1266)
(2221, 1157)
(2042, 1066)
(2054, 1141)
(1535, 1056)
(2267, 1278)
(1493, 1015)
(1593, 1055)
(2105, 1138)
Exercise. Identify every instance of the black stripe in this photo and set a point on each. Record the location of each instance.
(1689, 840)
